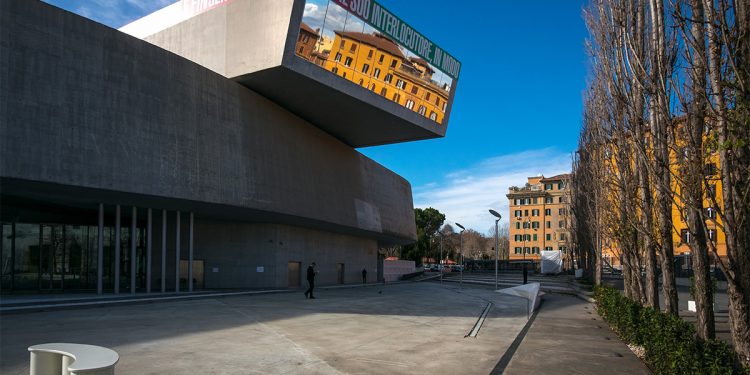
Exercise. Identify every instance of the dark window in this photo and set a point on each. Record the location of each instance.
(381, 59)
(369, 54)
(410, 104)
(361, 82)
(388, 78)
(348, 61)
(353, 47)
(427, 96)
(383, 91)
(422, 110)
(710, 213)
(376, 73)
(549, 224)
(549, 237)
(342, 43)
(335, 69)
(301, 49)
(338, 57)
(561, 224)
(396, 97)
(548, 200)
(365, 68)
(414, 89)
(394, 62)
(548, 211)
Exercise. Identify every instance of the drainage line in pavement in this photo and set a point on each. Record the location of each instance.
(505, 359)
(479, 322)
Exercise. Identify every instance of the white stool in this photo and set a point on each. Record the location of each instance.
(72, 359)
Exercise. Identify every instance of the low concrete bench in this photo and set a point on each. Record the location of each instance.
(73, 359)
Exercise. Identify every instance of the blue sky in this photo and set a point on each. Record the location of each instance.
(517, 109)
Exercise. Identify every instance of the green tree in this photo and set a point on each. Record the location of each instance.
(429, 221)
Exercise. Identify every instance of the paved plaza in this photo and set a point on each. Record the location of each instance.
(405, 328)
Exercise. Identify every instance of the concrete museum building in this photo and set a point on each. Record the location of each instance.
(211, 144)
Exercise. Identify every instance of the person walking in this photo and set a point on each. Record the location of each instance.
(364, 275)
(311, 272)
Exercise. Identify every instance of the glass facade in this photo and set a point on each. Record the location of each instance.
(56, 257)
(343, 44)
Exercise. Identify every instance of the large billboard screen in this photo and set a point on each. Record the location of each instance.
(363, 42)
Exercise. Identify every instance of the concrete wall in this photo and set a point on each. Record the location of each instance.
(88, 106)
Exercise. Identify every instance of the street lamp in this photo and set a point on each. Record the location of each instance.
(461, 246)
(497, 242)
(440, 261)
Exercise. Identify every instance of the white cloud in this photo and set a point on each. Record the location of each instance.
(466, 195)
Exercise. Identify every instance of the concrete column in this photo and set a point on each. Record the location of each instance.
(100, 252)
(133, 241)
(163, 251)
(149, 237)
(177, 255)
(117, 249)
(190, 256)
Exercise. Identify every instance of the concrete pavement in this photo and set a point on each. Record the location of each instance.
(393, 329)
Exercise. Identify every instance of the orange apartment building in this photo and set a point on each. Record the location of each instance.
(378, 63)
(538, 216)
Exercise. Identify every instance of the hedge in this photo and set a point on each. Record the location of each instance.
(670, 343)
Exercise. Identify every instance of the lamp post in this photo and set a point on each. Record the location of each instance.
(461, 246)
(497, 242)
(440, 261)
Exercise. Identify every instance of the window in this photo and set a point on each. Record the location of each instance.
(561, 211)
(365, 68)
(361, 82)
(525, 224)
(396, 97)
(410, 104)
(535, 250)
(710, 169)
(372, 87)
(304, 38)
(561, 199)
(338, 57)
(549, 224)
(535, 237)
(549, 237)
(534, 212)
(383, 91)
(535, 225)
(444, 105)
(348, 61)
(525, 212)
(710, 213)
(414, 89)
(376, 73)
(517, 250)
(353, 47)
(400, 83)
(518, 225)
(427, 96)
(342, 43)
(344, 75)
(526, 250)
(548, 187)
(712, 190)
(685, 236)
(335, 69)
(560, 185)
(548, 211)
(433, 116)
(302, 49)
(381, 58)
(388, 78)
(562, 236)
(394, 62)
(548, 200)
(422, 110)
(518, 213)
(517, 237)
(561, 224)
(548, 248)
(369, 54)
(437, 101)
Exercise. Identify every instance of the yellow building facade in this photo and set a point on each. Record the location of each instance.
(374, 61)
(538, 215)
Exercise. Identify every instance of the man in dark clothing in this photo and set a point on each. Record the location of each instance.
(310, 280)
(364, 276)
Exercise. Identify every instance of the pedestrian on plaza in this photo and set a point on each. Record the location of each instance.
(311, 272)
(364, 275)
